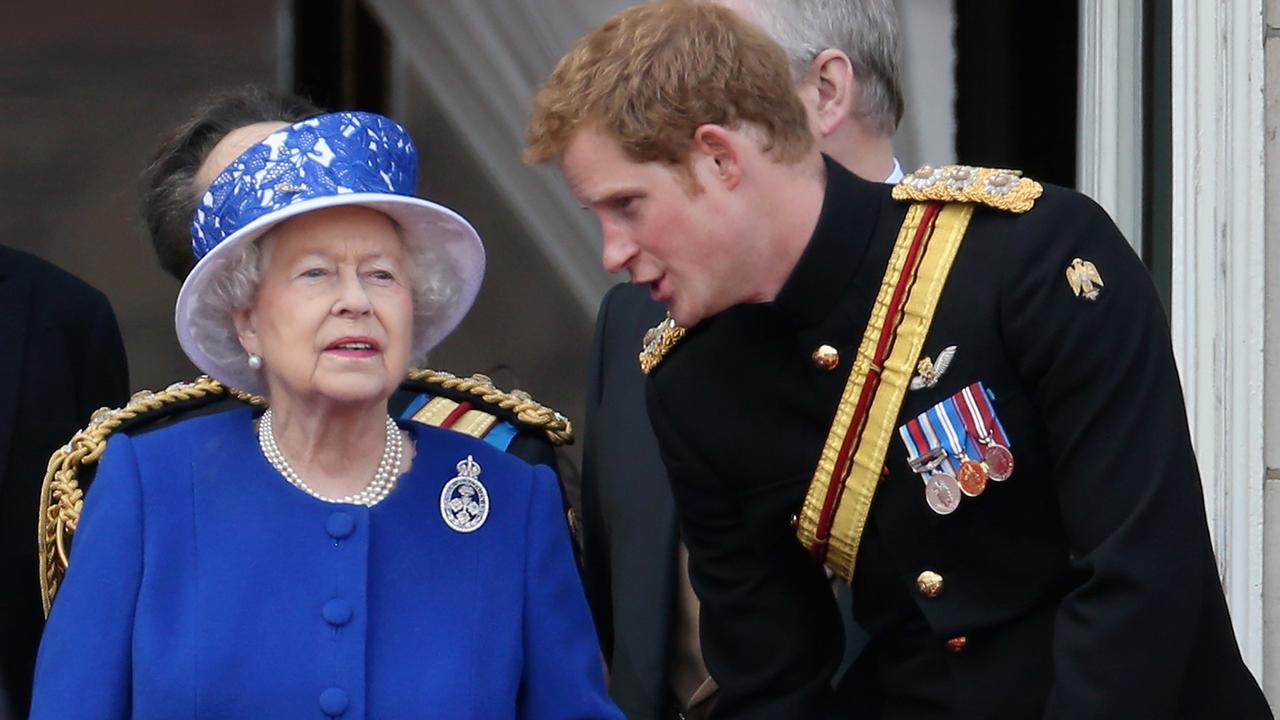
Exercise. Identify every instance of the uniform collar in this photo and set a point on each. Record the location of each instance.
(850, 209)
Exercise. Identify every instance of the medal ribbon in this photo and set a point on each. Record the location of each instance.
(955, 423)
(935, 419)
(918, 449)
(979, 417)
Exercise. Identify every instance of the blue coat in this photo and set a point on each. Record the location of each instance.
(203, 585)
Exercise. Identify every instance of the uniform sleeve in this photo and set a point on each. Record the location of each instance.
(563, 676)
(760, 595)
(1102, 378)
(84, 668)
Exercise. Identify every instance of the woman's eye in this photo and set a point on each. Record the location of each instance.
(384, 275)
(313, 273)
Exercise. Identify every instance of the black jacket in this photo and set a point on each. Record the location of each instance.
(628, 515)
(1083, 587)
(60, 360)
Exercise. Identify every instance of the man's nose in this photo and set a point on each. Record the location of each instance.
(619, 251)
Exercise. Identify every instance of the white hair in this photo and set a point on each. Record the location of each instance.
(235, 276)
(865, 30)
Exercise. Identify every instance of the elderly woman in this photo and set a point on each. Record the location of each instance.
(319, 559)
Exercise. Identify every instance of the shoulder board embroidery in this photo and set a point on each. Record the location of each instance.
(61, 495)
(658, 341)
(530, 414)
(1000, 189)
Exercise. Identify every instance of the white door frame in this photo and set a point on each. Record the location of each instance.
(1109, 146)
(1218, 291)
(1218, 224)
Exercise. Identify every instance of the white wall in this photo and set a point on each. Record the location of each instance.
(1271, 419)
(928, 130)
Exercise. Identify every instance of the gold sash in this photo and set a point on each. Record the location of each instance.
(834, 514)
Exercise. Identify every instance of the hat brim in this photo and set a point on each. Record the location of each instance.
(424, 224)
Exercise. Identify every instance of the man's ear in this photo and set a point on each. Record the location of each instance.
(243, 319)
(721, 149)
(830, 90)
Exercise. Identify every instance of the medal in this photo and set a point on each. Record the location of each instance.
(942, 492)
(980, 422)
(971, 475)
(972, 478)
(929, 459)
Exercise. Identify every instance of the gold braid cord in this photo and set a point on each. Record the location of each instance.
(528, 412)
(62, 497)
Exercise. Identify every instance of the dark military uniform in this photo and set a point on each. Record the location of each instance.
(1082, 587)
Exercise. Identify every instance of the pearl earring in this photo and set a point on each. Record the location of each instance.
(255, 361)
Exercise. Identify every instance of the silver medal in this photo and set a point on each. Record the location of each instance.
(464, 501)
(943, 493)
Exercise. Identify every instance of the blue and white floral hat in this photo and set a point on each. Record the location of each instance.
(345, 158)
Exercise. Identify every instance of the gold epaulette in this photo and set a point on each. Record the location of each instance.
(1000, 189)
(61, 495)
(529, 413)
(658, 341)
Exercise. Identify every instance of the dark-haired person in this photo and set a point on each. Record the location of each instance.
(958, 393)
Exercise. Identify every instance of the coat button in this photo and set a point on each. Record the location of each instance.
(929, 583)
(826, 357)
(957, 644)
(340, 525)
(334, 702)
(337, 612)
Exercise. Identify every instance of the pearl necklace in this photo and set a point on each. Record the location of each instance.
(384, 479)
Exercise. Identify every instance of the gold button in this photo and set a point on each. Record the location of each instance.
(826, 357)
(929, 583)
(957, 643)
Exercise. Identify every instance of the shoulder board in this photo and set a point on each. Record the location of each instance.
(1000, 189)
(488, 402)
(658, 341)
(62, 492)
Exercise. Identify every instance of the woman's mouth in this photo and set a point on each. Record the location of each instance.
(354, 347)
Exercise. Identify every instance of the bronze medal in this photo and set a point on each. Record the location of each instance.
(972, 478)
(999, 461)
(943, 493)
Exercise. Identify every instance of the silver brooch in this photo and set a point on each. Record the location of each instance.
(464, 501)
(930, 372)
